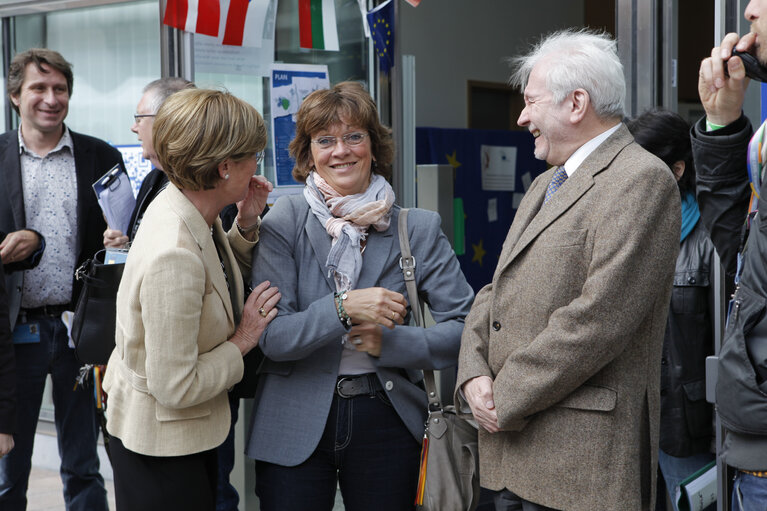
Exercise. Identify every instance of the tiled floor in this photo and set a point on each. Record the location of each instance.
(44, 493)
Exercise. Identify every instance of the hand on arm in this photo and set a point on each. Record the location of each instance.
(263, 298)
(722, 96)
(366, 337)
(19, 245)
(479, 394)
(114, 238)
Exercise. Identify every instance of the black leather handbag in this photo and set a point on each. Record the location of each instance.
(93, 326)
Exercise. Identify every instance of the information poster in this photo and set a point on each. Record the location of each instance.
(290, 84)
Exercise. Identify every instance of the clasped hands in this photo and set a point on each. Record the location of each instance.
(479, 394)
(19, 245)
(370, 309)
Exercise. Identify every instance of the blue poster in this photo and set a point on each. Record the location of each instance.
(291, 83)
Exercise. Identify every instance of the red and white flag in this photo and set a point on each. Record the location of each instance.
(198, 16)
(245, 22)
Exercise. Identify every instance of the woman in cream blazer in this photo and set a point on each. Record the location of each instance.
(181, 328)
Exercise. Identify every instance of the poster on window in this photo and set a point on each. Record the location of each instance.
(290, 84)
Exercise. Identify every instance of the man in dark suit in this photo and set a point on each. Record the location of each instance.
(560, 355)
(7, 374)
(46, 171)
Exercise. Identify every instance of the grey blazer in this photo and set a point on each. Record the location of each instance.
(570, 330)
(303, 343)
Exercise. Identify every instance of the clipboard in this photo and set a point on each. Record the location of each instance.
(115, 196)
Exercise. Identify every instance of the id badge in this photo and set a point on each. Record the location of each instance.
(26, 333)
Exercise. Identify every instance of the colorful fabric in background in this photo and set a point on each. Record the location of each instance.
(198, 16)
(381, 23)
(317, 24)
(487, 214)
(414, 3)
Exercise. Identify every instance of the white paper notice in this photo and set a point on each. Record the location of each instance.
(499, 164)
(492, 210)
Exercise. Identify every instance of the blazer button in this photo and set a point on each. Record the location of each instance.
(496, 326)
(691, 280)
(389, 385)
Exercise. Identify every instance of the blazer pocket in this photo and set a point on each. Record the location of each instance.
(591, 397)
(165, 414)
(572, 238)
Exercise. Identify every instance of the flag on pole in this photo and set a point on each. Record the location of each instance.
(317, 24)
(198, 16)
(244, 24)
(381, 21)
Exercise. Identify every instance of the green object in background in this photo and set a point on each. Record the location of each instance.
(459, 227)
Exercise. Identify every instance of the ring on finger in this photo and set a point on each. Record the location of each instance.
(393, 315)
(262, 312)
(356, 340)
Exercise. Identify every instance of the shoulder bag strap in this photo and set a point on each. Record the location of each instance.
(407, 263)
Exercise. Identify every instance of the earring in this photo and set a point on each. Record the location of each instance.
(226, 176)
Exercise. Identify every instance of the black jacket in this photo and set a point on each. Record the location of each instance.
(7, 366)
(152, 184)
(723, 195)
(685, 419)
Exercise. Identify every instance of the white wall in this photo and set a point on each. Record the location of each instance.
(459, 40)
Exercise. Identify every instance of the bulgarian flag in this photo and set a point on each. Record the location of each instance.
(317, 24)
(198, 16)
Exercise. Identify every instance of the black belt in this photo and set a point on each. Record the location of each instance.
(47, 310)
(358, 385)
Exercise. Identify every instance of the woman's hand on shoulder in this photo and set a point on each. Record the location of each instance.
(260, 309)
(376, 305)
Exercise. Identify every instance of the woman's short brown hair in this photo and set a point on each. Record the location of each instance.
(346, 102)
(197, 129)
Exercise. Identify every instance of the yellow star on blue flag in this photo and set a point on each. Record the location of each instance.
(452, 160)
(479, 252)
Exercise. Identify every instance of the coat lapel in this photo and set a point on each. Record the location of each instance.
(569, 193)
(377, 249)
(320, 241)
(235, 289)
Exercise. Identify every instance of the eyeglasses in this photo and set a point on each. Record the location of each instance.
(350, 140)
(137, 117)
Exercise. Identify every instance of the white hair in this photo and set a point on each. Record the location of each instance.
(579, 59)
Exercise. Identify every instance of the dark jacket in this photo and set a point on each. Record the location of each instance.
(723, 195)
(152, 184)
(7, 366)
(685, 419)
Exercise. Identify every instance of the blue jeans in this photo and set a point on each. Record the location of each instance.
(227, 498)
(749, 493)
(75, 417)
(365, 449)
(675, 470)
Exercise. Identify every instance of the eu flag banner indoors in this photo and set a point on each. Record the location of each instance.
(198, 16)
(381, 22)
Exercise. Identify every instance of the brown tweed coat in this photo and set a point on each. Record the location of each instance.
(570, 330)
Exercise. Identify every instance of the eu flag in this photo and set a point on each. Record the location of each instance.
(381, 22)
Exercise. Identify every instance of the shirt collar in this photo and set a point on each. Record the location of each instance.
(64, 141)
(575, 160)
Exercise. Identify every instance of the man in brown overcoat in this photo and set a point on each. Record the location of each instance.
(560, 355)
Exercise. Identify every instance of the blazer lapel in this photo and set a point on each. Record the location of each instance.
(320, 241)
(570, 192)
(235, 289)
(11, 176)
(377, 249)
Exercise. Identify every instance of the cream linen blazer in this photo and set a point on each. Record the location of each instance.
(168, 375)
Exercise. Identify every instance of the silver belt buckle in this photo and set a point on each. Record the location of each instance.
(338, 388)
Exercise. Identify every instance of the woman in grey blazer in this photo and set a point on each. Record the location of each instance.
(340, 399)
